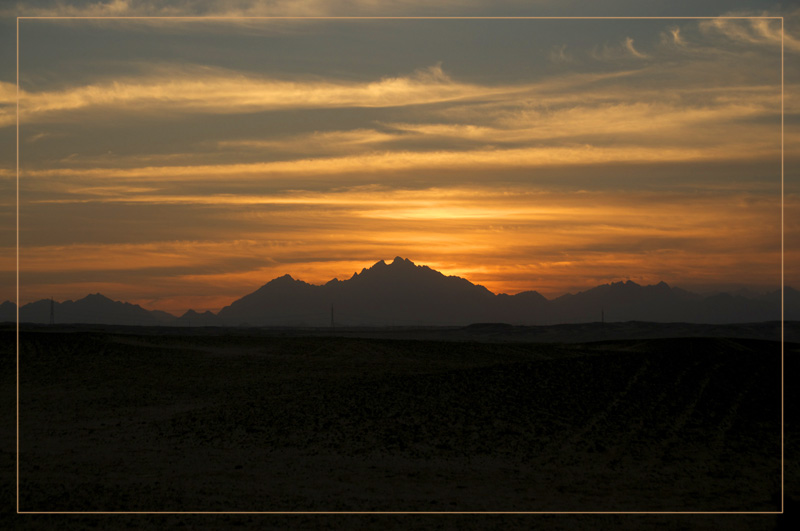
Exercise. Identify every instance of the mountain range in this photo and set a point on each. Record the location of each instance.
(402, 293)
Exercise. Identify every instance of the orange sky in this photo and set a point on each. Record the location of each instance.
(186, 176)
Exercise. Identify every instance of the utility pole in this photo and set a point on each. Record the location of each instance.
(52, 311)
(331, 315)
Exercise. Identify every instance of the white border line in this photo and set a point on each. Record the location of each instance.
(423, 18)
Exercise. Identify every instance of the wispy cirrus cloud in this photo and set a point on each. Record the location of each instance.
(174, 89)
(753, 31)
(318, 142)
(543, 128)
(673, 36)
(577, 111)
(372, 164)
(622, 50)
(633, 51)
(657, 120)
(207, 90)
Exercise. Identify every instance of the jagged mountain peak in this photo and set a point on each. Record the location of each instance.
(399, 265)
(624, 284)
(400, 261)
(194, 318)
(95, 297)
(283, 282)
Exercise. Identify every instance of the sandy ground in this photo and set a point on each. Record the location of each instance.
(116, 421)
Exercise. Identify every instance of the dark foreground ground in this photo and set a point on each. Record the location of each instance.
(142, 420)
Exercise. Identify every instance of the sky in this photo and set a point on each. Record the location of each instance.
(182, 164)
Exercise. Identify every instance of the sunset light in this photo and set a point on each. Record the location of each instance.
(178, 178)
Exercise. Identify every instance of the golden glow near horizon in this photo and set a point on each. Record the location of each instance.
(179, 178)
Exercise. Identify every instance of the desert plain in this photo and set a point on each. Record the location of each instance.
(479, 419)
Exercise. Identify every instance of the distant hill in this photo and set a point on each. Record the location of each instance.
(402, 293)
(96, 309)
(628, 301)
(8, 312)
(192, 318)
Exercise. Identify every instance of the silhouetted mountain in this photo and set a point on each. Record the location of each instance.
(404, 294)
(791, 302)
(192, 318)
(164, 318)
(96, 309)
(8, 312)
(400, 293)
(628, 301)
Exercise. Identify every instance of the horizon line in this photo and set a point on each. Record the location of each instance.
(730, 290)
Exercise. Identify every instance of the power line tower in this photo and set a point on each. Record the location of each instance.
(52, 311)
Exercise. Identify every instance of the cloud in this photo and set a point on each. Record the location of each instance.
(753, 31)
(675, 36)
(635, 121)
(208, 90)
(639, 123)
(632, 50)
(571, 120)
(543, 124)
(616, 52)
(373, 164)
(319, 142)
